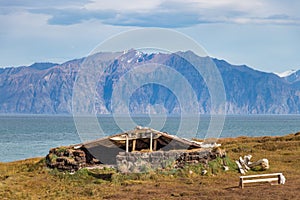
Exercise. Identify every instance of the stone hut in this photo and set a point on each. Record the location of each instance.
(136, 150)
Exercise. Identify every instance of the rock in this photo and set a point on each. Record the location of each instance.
(69, 158)
(160, 160)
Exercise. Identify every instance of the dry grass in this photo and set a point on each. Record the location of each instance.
(30, 179)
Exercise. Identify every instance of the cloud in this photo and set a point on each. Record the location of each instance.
(122, 5)
(73, 16)
(170, 19)
(159, 13)
(158, 19)
(41, 4)
(62, 30)
(280, 19)
(279, 16)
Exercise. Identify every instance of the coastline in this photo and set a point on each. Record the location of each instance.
(241, 138)
(30, 178)
(24, 137)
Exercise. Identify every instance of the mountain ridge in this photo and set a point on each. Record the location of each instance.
(46, 88)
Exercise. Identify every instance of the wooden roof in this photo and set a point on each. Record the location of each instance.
(142, 133)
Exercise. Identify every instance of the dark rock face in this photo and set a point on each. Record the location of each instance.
(46, 88)
(38, 91)
(250, 91)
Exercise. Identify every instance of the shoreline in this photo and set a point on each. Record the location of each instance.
(30, 179)
(220, 140)
(26, 137)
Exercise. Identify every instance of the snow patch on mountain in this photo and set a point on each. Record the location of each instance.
(286, 73)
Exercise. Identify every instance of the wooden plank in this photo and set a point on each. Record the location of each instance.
(127, 144)
(123, 138)
(142, 135)
(240, 168)
(260, 180)
(151, 141)
(260, 175)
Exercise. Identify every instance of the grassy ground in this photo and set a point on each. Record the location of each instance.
(30, 179)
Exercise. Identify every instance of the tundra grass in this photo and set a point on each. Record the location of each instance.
(30, 179)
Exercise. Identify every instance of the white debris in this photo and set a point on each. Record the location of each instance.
(209, 145)
(244, 164)
(204, 172)
(247, 159)
(77, 147)
(226, 168)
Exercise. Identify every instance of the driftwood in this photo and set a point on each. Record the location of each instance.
(244, 164)
(241, 170)
(264, 163)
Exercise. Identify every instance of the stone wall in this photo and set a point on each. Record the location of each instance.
(69, 158)
(72, 159)
(138, 162)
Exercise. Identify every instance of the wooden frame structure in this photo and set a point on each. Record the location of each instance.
(142, 139)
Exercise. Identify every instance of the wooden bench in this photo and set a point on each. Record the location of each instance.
(261, 178)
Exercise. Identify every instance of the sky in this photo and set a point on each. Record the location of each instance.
(263, 34)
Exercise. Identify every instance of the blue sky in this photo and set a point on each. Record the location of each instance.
(263, 34)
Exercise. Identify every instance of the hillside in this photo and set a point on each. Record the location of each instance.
(45, 88)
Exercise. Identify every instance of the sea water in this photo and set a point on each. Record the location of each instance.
(25, 136)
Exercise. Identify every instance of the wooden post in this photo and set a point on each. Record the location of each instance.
(241, 183)
(151, 141)
(155, 145)
(133, 144)
(127, 143)
(279, 178)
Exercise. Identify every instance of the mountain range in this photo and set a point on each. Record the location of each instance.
(47, 88)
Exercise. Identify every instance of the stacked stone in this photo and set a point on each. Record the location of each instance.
(139, 162)
(68, 159)
(194, 157)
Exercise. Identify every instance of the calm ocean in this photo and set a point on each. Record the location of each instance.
(25, 136)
